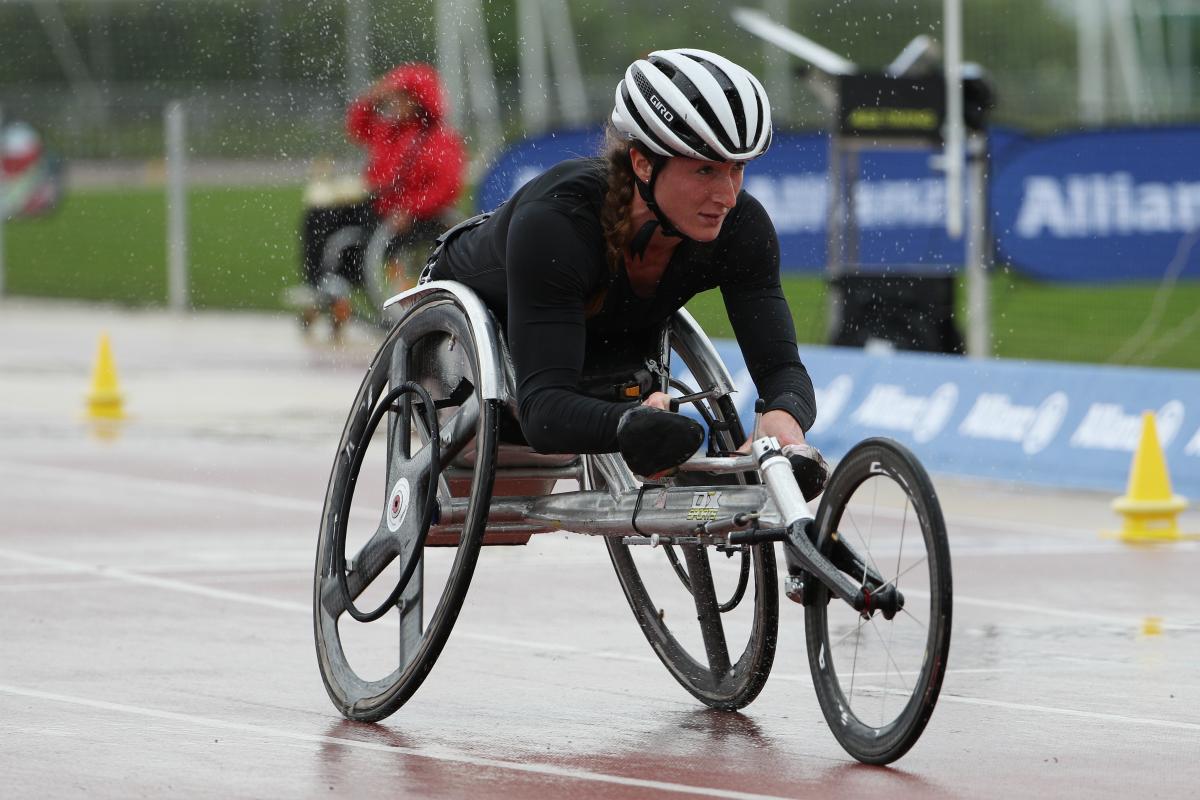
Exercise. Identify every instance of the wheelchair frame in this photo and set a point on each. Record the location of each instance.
(446, 353)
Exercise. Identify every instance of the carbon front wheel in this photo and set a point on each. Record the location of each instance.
(878, 679)
(375, 550)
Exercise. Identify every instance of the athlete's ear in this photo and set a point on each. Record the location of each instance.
(641, 165)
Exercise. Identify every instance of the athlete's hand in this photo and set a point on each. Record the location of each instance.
(659, 400)
(808, 465)
(780, 424)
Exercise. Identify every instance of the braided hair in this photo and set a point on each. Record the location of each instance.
(616, 210)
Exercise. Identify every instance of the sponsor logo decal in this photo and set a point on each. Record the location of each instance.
(997, 417)
(796, 202)
(1193, 447)
(397, 504)
(705, 507)
(1086, 206)
(661, 108)
(1106, 426)
(889, 407)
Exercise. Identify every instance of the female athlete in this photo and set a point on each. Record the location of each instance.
(584, 264)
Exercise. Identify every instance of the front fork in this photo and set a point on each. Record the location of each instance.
(869, 592)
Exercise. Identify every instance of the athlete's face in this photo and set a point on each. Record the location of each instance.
(696, 195)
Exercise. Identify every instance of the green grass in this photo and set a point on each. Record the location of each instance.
(110, 245)
(1033, 320)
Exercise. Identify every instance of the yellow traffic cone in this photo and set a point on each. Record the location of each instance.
(1149, 507)
(104, 401)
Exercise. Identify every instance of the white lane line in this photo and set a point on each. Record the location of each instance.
(191, 490)
(63, 565)
(158, 583)
(1071, 712)
(1066, 613)
(432, 753)
(64, 586)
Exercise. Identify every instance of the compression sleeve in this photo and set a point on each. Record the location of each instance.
(761, 319)
(548, 285)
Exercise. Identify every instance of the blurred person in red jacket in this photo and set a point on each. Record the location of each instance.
(413, 173)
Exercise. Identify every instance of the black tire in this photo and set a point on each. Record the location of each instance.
(877, 493)
(433, 332)
(704, 666)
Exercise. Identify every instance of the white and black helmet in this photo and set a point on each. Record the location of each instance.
(693, 103)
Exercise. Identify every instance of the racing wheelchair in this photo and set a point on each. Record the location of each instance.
(363, 260)
(427, 471)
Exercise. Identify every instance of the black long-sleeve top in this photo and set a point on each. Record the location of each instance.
(539, 261)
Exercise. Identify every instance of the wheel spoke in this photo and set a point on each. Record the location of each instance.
(410, 607)
(915, 619)
(870, 559)
(858, 626)
(707, 610)
(900, 549)
(368, 563)
(888, 651)
(896, 579)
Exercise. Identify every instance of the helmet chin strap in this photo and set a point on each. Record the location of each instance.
(641, 239)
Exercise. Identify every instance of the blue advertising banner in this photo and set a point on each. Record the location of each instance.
(1049, 424)
(1099, 206)
(900, 200)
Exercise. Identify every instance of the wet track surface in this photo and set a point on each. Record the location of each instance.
(157, 635)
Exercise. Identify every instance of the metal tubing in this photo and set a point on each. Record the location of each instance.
(979, 333)
(781, 483)
(955, 123)
(800, 551)
(668, 511)
(177, 258)
(3, 207)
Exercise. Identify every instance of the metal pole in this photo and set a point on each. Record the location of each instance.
(481, 84)
(979, 327)
(1181, 53)
(358, 47)
(952, 25)
(1129, 64)
(834, 232)
(3, 204)
(532, 65)
(449, 59)
(778, 79)
(572, 97)
(177, 264)
(1089, 19)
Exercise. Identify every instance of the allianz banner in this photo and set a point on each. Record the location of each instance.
(900, 200)
(1106, 205)
(1049, 424)
(1100, 206)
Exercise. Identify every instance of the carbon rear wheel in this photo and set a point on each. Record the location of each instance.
(878, 679)
(711, 616)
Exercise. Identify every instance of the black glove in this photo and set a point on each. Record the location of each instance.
(652, 440)
(809, 467)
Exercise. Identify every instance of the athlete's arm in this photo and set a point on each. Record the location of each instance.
(762, 323)
(548, 285)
